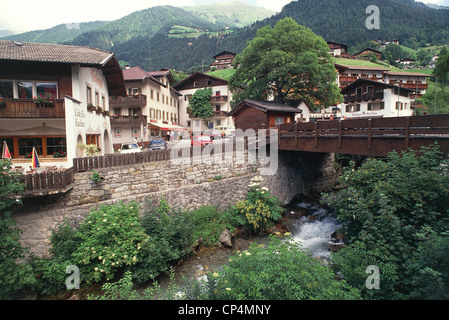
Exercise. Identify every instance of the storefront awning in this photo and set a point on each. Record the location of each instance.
(164, 126)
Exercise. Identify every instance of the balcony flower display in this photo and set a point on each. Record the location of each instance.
(2, 102)
(59, 154)
(43, 100)
(91, 107)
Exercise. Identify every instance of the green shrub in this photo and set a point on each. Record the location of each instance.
(111, 238)
(385, 204)
(209, 223)
(64, 242)
(259, 210)
(14, 277)
(170, 233)
(280, 271)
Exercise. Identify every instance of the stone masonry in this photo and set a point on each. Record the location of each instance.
(183, 185)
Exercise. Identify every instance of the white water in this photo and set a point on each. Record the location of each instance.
(315, 234)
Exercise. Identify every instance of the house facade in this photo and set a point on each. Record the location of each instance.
(56, 98)
(368, 52)
(223, 60)
(149, 109)
(255, 114)
(367, 98)
(337, 49)
(220, 101)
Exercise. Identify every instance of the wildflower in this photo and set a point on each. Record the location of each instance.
(215, 274)
(248, 253)
(229, 289)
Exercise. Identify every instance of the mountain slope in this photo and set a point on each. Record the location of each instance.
(58, 34)
(143, 24)
(233, 14)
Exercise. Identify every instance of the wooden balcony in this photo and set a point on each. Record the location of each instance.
(220, 114)
(27, 108)
(138, 100)
(411, 85)
(366, 96)
(132, 119)
(220, 98)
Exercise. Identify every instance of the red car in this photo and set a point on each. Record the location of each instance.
(200, 140)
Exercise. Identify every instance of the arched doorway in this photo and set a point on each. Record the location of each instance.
(79, 151)
(107, 142)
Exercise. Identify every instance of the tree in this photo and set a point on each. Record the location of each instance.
(289, 62)
(200, 104)
(441, 70)
(385, 205)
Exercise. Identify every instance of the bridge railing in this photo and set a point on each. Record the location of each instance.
(395, 127)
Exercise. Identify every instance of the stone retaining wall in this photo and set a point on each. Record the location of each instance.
(183, 185)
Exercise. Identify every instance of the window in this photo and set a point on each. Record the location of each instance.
(46, 89)
(25, 89)
(152, 114)
(370, 89)
(89, 94)
(133, 91)
(97, 99)
(103, 101)
(151, 94)
(357, 107)
(157, 96)
(93, 139)
(56, 145)
(158, 114)
(26, 146)
(6, 89)
(217, 107)
(217, 93)
(278, 120)
(117, 111)
(195, 84)
(218, 122)
(188, 123)
(209, 82)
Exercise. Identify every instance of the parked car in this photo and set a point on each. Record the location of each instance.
(157, 144)
(213, 134)
(201, 140)
(226, 131)
(129, 147)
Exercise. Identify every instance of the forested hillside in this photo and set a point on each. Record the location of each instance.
(142, 38)
(413, 24)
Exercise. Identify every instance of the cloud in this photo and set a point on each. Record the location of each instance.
(273, 5)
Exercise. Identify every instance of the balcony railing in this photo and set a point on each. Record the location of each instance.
(364, 96)
(27, 108)
(138, 100)
(218, 98)
(220, 114)
(131, 119)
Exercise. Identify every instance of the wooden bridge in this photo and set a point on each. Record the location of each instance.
(369, 137)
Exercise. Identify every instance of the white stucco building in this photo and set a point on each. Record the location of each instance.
(220, 101)
(75, 81)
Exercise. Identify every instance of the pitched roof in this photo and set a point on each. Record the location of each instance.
(369, 49)
(67, 54)
(356, 83)
(134, 73)
(43, 52)
(353, 67)
(224, 52)
(411, 74)
(195, 75)
(265, 106)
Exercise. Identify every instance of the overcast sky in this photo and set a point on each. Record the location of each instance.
(26, 15)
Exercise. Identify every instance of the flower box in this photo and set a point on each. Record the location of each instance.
(59, 154)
